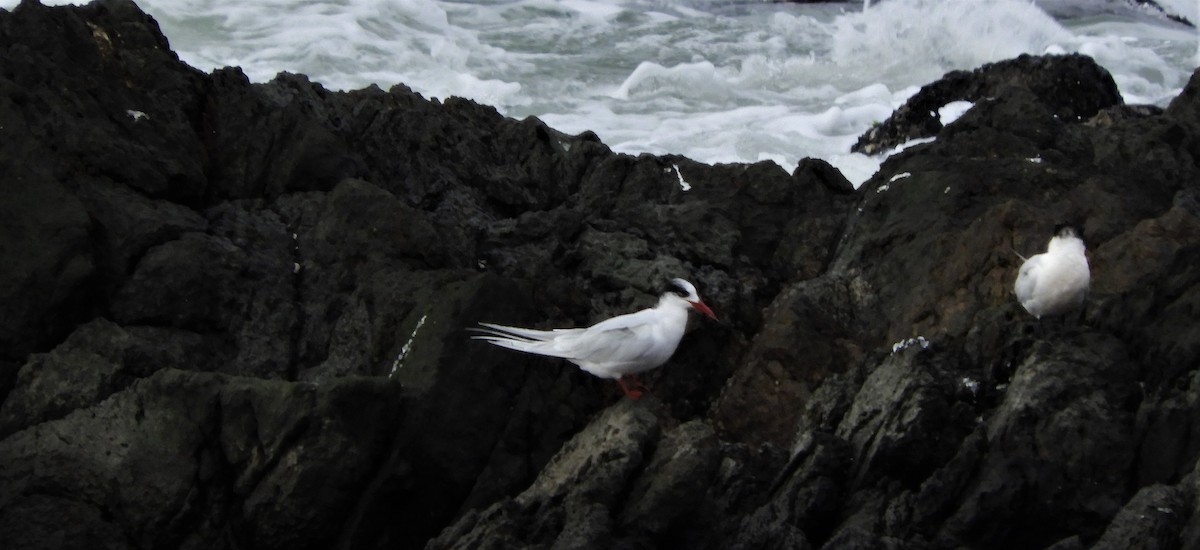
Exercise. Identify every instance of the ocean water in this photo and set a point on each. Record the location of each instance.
(716, 81)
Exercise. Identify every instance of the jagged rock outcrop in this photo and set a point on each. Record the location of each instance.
(233, 315)
(1072, 87)
(160, 219)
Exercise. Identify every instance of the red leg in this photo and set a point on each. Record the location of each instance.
(633, 390)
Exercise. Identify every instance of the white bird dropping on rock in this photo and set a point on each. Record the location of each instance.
(1056, 281)
(615, 348)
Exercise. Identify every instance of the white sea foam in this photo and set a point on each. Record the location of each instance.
(951, 111)
(882, 42)
(708, 79)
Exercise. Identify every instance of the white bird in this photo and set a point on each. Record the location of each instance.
(614, 348)
(1056, 281)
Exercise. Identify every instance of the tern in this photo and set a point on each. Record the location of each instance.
(615, 348)
(1055, 281)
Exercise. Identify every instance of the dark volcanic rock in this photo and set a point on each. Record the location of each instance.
(233, 316)
(621, 461)
(570, 503)
(200, 223)
(1071, 87)
(169, 460)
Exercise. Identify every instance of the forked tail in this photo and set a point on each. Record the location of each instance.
(539, 342)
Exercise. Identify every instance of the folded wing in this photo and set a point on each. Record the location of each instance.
(1027, 279)
(626, 343)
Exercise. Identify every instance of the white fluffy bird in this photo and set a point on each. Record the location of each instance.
(1056, 281)
(614, 348)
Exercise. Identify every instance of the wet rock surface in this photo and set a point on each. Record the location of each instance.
(233, 315)
(1071, 87)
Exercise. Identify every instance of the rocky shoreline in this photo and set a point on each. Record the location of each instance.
(233, 315)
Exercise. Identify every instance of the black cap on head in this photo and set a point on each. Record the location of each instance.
(1068, 230)
(683, 289)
